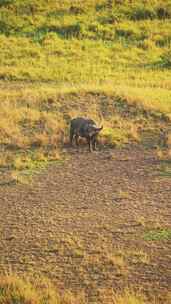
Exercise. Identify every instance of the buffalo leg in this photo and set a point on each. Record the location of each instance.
(94, 144)
(90, 144)
(71, 137)
(76, 140)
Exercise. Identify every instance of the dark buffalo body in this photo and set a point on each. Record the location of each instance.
(86, 128)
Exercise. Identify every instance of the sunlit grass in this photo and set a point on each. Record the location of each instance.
(37, 115)
(53, 50)
(14, 289)
(129, 297)
(34, 290)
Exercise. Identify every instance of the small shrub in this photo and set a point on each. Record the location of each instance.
(101, 31)
(129, 31)
(5, 28)
(39, 35)
(5, 2)
(76, 10)
(100, 6)
(162, 40)
(142, 12)
(111, 18)
(68, 31)
(163, 12)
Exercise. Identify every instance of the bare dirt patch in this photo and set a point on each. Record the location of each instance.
(83, 224)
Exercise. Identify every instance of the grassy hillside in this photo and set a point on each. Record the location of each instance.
(82, 41)
(110, 60)
(114, 53)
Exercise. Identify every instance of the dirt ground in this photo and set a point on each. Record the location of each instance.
(85, 224)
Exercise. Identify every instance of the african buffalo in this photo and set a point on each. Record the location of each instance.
(86, 128)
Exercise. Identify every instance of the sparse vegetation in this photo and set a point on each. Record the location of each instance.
(94, 235)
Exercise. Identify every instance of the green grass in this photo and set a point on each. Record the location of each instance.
(82, 42)
(158, 235)
(165, 168)
(166, 173)
(90, 42)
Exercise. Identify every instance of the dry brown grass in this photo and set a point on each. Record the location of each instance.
(40, 290)
(34, 290)
(35, 118)
(129, 297)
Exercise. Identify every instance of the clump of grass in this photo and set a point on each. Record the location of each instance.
(114, 137)
(27, 163)
(123, 194)
(32, 290)
(17, 290)
(141, 221)
(134, 256)
(129, 297)
(164, 155)
(13, 290)
(139, 256)
(117, 260)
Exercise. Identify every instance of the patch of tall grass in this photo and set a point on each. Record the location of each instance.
(34, 290)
